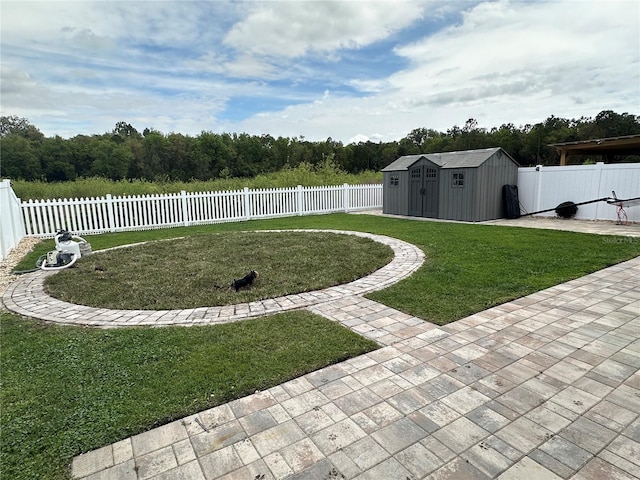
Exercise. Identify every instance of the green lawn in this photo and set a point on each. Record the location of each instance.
(68, 390)
(197, 271)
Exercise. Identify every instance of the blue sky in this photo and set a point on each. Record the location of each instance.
(349, 70)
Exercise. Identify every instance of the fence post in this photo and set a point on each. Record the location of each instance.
(13, 231)
(186, 218)
(345, 197)
(111, 218)
(538, 188)
(299, 203)
(599, 168)
(246, 204)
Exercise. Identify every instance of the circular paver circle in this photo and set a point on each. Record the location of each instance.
(26, 296)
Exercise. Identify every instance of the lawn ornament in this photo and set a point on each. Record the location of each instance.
(69, 249)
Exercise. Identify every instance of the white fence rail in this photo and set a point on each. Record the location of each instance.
(11, 224)
(43, 218)
(541, 188)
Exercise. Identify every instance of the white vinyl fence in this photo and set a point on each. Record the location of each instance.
(11, 224)
(43, 218)
(542, 188)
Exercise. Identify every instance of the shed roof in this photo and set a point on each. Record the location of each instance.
(462, 159)
(403, 163)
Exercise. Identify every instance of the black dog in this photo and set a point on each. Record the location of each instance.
(245, 281)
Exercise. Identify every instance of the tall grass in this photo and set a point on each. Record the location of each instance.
(304, 174)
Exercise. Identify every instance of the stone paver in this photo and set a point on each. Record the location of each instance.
(544, 387)
(26, 296)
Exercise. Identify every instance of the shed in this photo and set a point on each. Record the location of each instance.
(464, 186)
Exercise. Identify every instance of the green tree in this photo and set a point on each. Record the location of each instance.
(473, 136)
(388, 153)
(17, 125)
(153, 162)
(81, 153)
(611, 124)
(250, 155)
(300, 152)
(18, 158)
(110, 159)
(179, 154)
(418, 136)
(213, 154)
(509, 137)
(407, 146)
(124, 130)
(55, 157)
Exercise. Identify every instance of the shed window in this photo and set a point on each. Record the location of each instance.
(393, 180)
(458, 180)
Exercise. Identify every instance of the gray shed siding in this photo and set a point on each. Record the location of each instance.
(456, 203)
(395, 200)
(479, 199)
(493, 174)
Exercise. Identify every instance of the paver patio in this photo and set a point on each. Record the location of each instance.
(544, 387)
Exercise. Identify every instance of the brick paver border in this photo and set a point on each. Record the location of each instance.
(26, 296)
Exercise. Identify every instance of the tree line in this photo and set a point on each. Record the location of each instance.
(125, 153)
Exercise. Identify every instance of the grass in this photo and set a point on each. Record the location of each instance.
(197, 271)
(67, 390)
(304, 174)
(468, 268)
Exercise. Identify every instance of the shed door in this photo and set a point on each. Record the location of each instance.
(430, 202)
(423, 192)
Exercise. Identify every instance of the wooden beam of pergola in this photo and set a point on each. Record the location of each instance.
(626, 145)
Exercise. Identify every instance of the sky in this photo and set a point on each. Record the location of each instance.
(351, 71)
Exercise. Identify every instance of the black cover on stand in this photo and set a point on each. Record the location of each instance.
(510, 201)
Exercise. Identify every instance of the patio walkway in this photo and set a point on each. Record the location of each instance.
(544, 387)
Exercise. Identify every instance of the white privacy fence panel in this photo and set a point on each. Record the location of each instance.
(116, 214)
(542, 188)
(11, 223)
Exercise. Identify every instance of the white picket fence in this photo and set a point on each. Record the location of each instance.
(43, 218)
(11, 223)
(541, 188)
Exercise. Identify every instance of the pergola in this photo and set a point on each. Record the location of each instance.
(606, 147)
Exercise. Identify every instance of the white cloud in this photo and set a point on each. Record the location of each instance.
(505, 62)
(247, 66)
(292, 29)
(519, 47)
(79, 67)
(359, 138)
